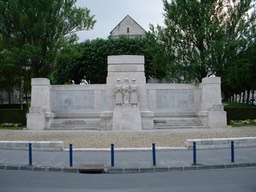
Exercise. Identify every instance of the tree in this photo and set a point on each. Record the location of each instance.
(92, 64)
(202, 38)
(34, 33)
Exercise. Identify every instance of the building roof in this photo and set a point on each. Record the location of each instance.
(129, 27)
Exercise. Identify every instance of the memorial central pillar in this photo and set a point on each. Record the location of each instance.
(126, 93)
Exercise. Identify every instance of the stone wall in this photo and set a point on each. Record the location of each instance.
(126, 102)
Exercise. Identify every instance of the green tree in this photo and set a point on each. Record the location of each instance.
(203, 38)
(92, 65)
(240, 76)
(34, 33)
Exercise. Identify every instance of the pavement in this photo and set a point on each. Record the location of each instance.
(137, 160)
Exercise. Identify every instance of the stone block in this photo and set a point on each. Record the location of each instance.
(133, 59)
(127, 118)
(36, 145)
(221, 142)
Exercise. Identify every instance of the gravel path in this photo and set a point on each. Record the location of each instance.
(125, 139)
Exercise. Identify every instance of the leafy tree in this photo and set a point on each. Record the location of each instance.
(92, 65)
(203, 38)
(34, 32)
(240, 76)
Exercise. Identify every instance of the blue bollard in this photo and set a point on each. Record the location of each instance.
(30, 153)
(112, 155)
(232, 152)
(70, 155)
(154, 154)
(194, 153)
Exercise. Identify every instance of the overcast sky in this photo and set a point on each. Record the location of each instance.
(109, 13)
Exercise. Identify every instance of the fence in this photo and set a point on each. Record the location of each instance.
(153, 159)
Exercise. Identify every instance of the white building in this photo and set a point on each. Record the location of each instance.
(127, 27)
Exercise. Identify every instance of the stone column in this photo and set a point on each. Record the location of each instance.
(40, 115)
(211, 111)
(126, 115)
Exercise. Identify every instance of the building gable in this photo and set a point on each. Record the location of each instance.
(127, 27)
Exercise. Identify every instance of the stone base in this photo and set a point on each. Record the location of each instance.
(147, 120)
(106, 120)
(213, 119)
(35, 121)
(217, 119)
(127, 118)
(39, 121)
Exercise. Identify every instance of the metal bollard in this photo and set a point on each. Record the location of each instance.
(154, 154)
(112, 155)
(70, 155)
(30, 153)
(194, 153)
(232, 152)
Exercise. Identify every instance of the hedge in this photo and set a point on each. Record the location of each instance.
(13, 106)
(13, 116)
(240, 113)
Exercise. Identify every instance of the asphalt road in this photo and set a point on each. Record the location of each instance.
(233, 179)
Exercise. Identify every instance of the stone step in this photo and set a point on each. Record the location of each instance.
(75, 124)
(173, 123)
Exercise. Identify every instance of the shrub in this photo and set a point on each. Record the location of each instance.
(15, 116)
(239, 111)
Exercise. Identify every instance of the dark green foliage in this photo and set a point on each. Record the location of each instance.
(204, 38)
(13, 106)
(92, 64)
(13, 116)
(33, 35)
(240, 111)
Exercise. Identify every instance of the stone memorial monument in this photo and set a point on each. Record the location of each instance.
(126, 102)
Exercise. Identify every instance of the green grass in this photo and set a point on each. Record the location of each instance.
(11, 128)
(244, 125)
(239, 105)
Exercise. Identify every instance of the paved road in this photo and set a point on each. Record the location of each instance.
(235, 180)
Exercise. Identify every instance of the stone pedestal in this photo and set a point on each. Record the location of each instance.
(126, 118)
(211, 111)
(40, 115)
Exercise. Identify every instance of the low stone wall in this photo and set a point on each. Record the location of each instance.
(36, 145)
(221, 142)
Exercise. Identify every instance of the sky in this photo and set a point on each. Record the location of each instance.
(109, 13)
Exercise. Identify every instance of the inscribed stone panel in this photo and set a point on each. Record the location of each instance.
(103, 100)
(75, 100)
(175, 99)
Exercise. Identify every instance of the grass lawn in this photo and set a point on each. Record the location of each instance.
(244, 125)
(12, 128)
(239, 105)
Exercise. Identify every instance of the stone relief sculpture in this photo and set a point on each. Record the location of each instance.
(118, 92)
(134, 96)
(126, 93)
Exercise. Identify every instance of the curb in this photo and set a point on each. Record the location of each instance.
(112, 170)
(38, 168)
(182, 168)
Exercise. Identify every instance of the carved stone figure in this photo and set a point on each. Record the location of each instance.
(126, 91)
(118, 92)
(134, 95)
